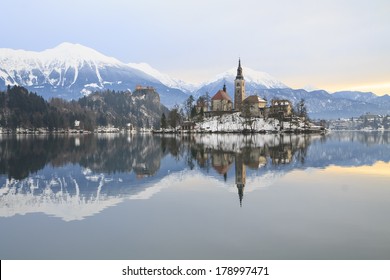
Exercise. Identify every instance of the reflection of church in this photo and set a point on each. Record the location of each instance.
(240, 176)
(277, 150)
(222, 162)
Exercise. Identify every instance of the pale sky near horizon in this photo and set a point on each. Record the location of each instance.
(332, 45)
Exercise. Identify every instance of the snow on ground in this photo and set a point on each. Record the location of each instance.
(235, 123)
(236, 142)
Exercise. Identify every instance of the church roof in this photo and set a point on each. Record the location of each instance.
(221, 95)
(222, 169)
(254, 99)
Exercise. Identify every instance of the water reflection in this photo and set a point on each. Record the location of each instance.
(108, 154)
(254, 152)
(76, 177)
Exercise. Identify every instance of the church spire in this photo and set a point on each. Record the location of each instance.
(240, 171)
(239, 71)
(240, 188)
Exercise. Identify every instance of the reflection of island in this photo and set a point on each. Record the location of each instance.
(140, 154)
(253, 152)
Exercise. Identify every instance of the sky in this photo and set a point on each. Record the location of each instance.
(332, 45)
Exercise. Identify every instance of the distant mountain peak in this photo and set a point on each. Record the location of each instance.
(251, 76)
(67, 51)
(310, 88)
(163, 78)
(68, 45)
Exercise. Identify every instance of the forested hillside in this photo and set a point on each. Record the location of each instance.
(21, 108)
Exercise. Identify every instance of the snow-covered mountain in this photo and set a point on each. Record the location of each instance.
(261, 79)
(72, 70)
(164, 78)
(355, 95)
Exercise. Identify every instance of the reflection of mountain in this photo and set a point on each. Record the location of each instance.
(73, 197)
(76, 177)
(79, 176)
(349, 149)
(59, 197)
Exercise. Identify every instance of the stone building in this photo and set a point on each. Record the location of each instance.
(280, 108)
(201, 106)
(253, 106)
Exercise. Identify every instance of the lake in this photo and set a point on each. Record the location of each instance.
(212, 196)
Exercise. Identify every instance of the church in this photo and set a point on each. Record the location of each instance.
(248, 106)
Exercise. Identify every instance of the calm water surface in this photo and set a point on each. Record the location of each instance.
(195, 197)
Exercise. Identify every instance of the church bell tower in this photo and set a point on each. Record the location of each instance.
(239, 88)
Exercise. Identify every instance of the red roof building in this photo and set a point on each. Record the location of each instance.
(221, 101)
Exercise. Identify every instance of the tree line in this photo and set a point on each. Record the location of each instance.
(21, 108)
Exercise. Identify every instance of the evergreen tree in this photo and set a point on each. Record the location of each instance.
(201, 113)
(193, 112)
(301, 109)
(175, 117)
(163, 121)
(188, 106)
(386, 122)
(207, 100)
